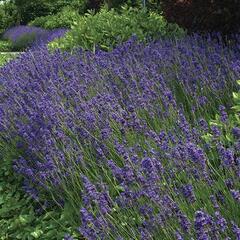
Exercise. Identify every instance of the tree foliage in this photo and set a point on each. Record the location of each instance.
(204, 16)
(8, 15)
(28, 10)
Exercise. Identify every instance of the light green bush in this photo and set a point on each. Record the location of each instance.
(5, 46)
(106, 29)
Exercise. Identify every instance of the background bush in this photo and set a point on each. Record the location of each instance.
(106, 29)
(204, 16)
(152, 5)
(28, 10)
(64, 19)
(8, 15)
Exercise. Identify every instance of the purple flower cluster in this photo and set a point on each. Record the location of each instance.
(41, 36)
(118, 134)
(48, 37)
(14, 33)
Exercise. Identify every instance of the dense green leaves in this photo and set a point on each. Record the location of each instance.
(8, 15)
(6, 56)
(64, 19)
(18, 218)
(28, 10)
(5, 46)
(204, 16)
(106, 29)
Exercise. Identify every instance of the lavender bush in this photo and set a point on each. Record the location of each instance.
(26, 36)
(120, 140)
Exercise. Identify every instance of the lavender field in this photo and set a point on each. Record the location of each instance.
(142, 142)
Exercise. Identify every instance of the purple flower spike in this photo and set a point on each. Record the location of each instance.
(41, 37)
(236, 132)
(221, 222)
(236, 230)
(68, 237)
(223, 114)
(188, 193)
(178, 236)
(235, 194)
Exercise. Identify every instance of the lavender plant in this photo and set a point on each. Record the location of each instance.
(115, 138)
(23, 37)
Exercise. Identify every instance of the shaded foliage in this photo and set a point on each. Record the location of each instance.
(28, 10)
(203, 16)
(8, 15)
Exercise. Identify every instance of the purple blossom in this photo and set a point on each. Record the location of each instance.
(235, 194)
(223, 114)
(221, 222)
(203, 224)
(90, 189)
(178, 236)
(236, 230)
(227, 156)
(184, 222)
(68, 237)
(204, 125)
(236, 132)
(40, 36)
(188, 193)
(214, 202)
(216, 131)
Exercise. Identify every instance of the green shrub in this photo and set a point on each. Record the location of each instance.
(63, 19)
(106, 29)
(8, 15)
(31, 9)
(153, 5)
(5, 46)
(40, 21)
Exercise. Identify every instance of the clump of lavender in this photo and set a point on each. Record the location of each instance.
(14, 33)
(31, 37)
(118, 136)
